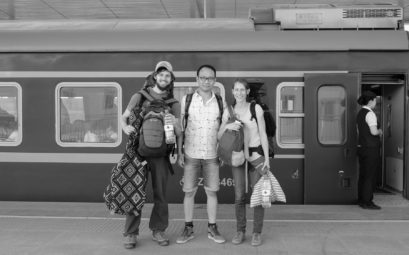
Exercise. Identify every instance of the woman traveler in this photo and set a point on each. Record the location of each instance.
(256, 152)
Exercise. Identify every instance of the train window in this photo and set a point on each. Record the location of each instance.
(10, 114)
(290, 119)
(183, 88)
(331, 115)
(88, 114)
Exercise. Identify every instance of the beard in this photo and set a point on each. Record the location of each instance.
(164, 88)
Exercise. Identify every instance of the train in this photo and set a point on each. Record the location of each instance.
(63, 90)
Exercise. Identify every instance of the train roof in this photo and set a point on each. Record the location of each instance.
(191, 37)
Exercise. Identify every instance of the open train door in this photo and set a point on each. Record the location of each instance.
(330, 138)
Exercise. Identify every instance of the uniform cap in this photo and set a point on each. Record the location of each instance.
(369, 94)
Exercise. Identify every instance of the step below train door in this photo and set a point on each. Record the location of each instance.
(330, 138)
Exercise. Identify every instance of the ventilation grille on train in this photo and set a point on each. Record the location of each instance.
(372, 13)
(345, 17)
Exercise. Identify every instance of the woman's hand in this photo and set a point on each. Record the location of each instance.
(234, 126)
(266, 167)
(128, 129)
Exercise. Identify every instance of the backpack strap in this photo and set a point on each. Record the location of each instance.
(170, 101)
(231, 113)
(253, 111)
(149, 97)
(146, 95)
(188, 101)
(220, 104)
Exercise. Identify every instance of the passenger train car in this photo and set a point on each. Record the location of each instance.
(63, 90)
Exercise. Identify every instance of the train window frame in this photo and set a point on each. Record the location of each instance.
(61, 85)
(280, 115)
(19, 112)
(345, 116)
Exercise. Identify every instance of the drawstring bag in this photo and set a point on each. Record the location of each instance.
(276, 192)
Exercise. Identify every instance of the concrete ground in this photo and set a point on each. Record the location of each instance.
(42, 228)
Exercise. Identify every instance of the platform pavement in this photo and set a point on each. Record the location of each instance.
(47, 228)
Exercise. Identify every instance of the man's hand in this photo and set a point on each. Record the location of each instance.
(181, 160)
(128, 129)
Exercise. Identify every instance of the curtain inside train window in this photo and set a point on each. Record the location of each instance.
(10, 114)
(331, 115)
(290, 100)
(88, 114)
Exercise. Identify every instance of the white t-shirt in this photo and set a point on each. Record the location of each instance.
(370, 117)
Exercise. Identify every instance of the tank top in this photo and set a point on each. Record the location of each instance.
(250, 127)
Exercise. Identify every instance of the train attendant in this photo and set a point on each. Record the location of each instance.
(159, 167)
(201, 113)
(254, 136)
(368, 150)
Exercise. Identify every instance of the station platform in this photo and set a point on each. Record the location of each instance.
(48, 228)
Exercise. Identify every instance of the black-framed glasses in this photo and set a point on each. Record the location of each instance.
(207, 79)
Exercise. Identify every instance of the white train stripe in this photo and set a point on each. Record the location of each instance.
(108, 74)
(110, 158)
(60, 157)
(288, 156)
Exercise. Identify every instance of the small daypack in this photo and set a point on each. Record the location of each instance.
(188, 101)
(231, 144)
(152, 142)
(270, 125)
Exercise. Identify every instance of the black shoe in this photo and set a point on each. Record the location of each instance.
(370, 206)
(375, 206)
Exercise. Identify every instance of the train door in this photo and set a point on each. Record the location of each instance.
(390, 90)
(393, 122)
(330, 138)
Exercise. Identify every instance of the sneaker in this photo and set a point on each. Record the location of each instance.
(213, 233)
(130, 241)
(256, 239)
(187, 235)
(238, 238)
(160, 237)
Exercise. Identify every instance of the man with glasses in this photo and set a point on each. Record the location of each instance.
(199, 156)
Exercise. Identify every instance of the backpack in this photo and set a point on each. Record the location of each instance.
(231, 144)
(270, 125)
(152, 142)
(188, 101)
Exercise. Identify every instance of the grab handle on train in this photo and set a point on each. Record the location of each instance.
(346, 152)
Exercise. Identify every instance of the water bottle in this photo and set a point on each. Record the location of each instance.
(169, 131)
(266, 192)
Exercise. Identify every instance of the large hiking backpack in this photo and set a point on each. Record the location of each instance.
(270, 125)
(231, 144)
(152, 142)
(188, 101)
